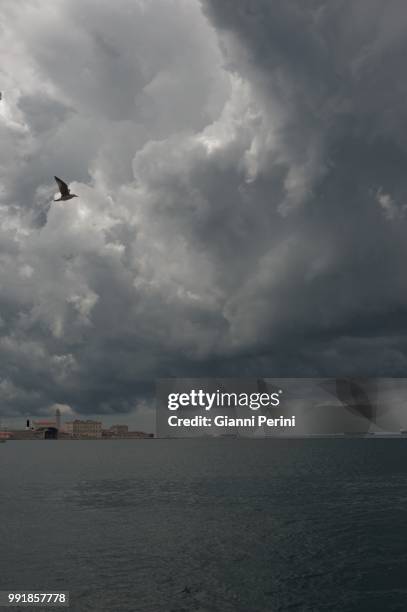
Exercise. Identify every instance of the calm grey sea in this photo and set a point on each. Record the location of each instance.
(207, 525)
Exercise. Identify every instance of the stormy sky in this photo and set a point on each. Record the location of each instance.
(242, 211)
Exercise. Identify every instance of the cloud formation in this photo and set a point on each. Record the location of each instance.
(240, 167)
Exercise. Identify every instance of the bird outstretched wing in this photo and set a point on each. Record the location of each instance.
(63, 187)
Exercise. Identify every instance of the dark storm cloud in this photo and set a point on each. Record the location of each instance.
(242, 206)
(334, 69)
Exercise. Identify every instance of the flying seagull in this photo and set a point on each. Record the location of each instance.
(64, 189)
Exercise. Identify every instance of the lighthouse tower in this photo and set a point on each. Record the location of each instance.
(58, 418)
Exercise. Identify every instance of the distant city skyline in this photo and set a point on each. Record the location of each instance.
(143, 421)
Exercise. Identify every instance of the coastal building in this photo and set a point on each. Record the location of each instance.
(119, 430)
(43, 424)
(83, 429)
(139, 434)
